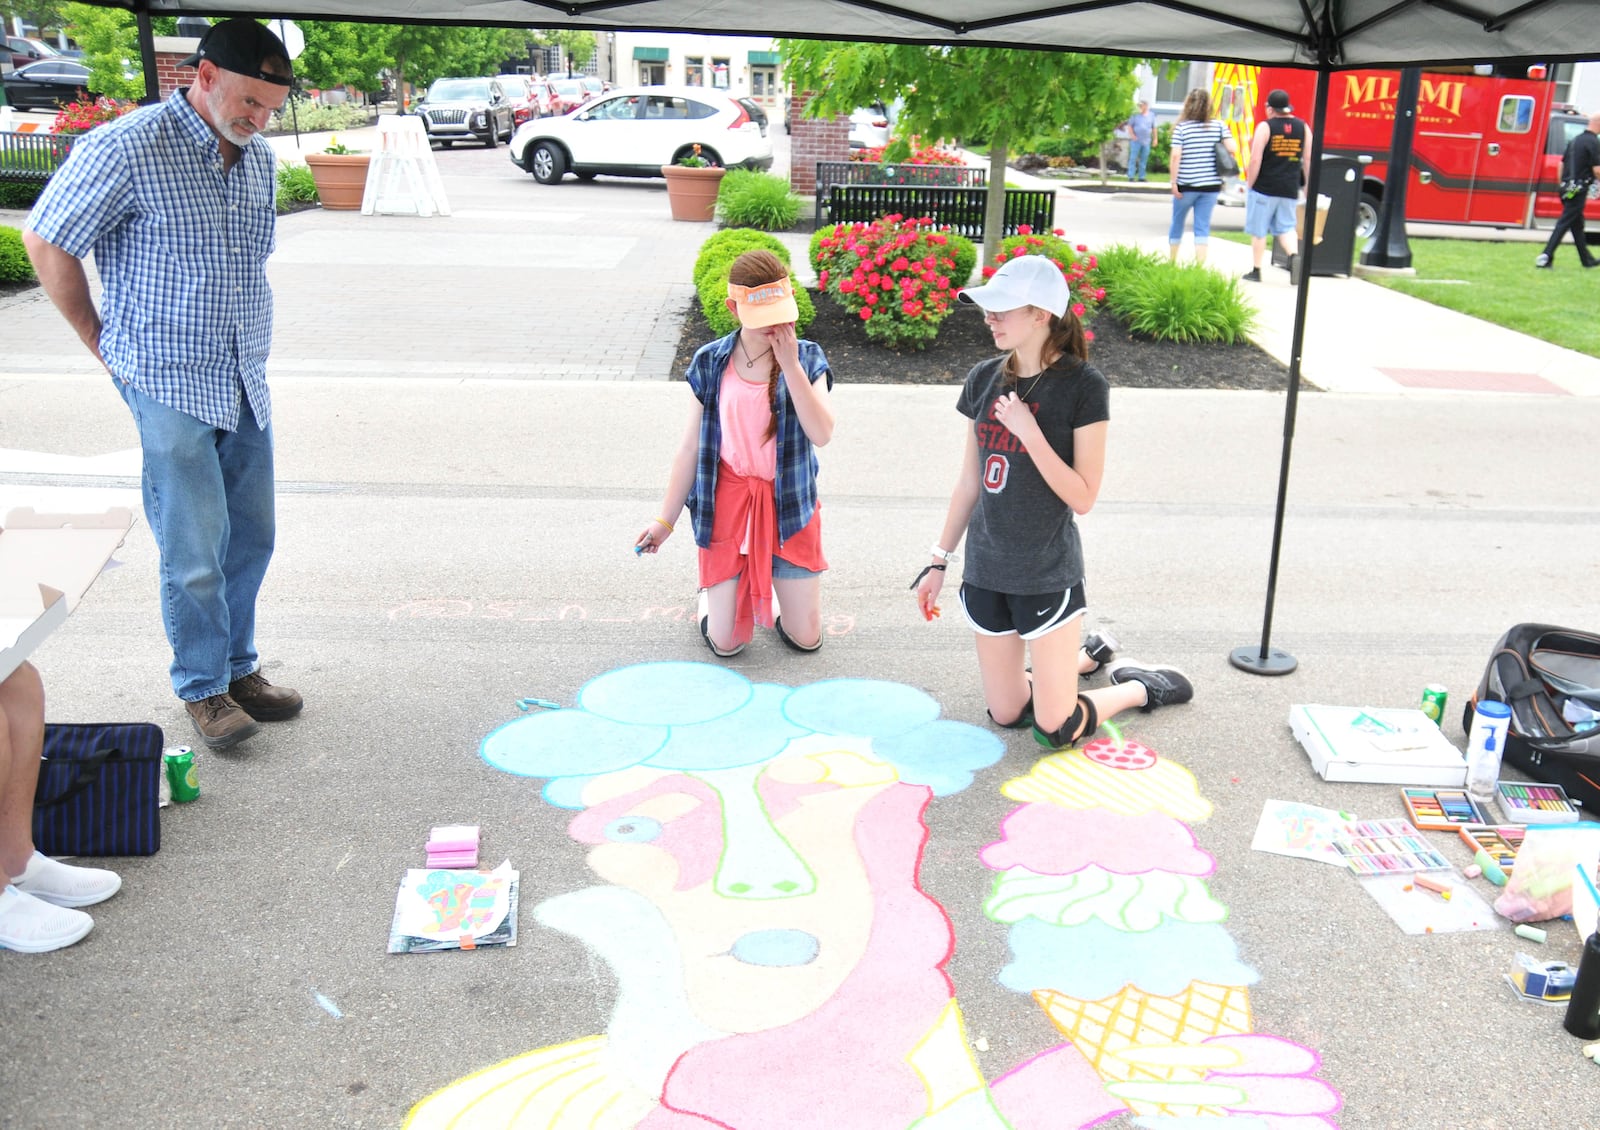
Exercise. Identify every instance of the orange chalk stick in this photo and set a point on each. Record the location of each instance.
(1442, 889)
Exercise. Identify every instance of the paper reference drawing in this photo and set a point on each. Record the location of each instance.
(1303, 831)
(447, 910)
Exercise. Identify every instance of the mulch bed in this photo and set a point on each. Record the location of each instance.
(1128, 361)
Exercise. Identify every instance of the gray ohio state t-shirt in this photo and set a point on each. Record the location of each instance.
(1022, 537)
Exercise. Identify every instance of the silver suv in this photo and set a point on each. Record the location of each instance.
(467, 109)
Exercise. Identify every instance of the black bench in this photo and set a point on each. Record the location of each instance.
(32, 157)
(830, 173)
(959, 209)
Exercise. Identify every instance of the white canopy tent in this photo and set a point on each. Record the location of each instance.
(1323, 35)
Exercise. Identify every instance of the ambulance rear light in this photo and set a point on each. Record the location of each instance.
(1538, 71)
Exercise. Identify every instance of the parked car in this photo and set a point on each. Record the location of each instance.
(519, 92)
(467, 109)
(570, 94)
(633, 131)
(545, 97)
(595, 85)
(46, 85)
(869, 126)
(18, 51)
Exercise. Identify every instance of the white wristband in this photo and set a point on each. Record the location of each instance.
(945, 555)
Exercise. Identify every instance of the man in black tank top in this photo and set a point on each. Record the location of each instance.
(1277, 162)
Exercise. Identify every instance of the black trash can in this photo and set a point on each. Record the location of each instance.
(1339, 189)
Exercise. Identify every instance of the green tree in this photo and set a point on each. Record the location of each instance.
(110, 45)
(577, 47)
(997, 94)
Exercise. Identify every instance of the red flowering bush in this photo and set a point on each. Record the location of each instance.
(81, 117)
(1075, 262)
(894, 274)
(920, 155)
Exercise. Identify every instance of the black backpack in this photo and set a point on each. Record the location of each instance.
(1538, 668)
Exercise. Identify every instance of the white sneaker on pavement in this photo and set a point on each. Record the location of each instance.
(61, 884)
(29, 925)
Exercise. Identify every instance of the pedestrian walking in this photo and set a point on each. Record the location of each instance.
(1274, 178)
(1580, 169)
(747, 468)
(1196, 180)
(1034, 457)
(1141, 127)
(176, 202)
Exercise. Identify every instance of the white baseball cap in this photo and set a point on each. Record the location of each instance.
(1027, 280)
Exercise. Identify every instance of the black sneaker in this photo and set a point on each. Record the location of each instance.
(1100, 646)
(1252, 275)
(1294, 270)
(1163, 686)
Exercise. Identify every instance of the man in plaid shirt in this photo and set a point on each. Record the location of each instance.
(177, 202)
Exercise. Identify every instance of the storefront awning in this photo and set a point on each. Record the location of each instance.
(763, 58)
(650, 54)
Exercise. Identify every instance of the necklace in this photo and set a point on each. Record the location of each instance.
(1037, 377)
(750, 362)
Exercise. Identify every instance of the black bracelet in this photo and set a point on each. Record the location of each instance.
(918, 579)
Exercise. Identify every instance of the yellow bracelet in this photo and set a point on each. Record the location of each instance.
(665, 523)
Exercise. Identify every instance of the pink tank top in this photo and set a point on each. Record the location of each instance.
(745, 413)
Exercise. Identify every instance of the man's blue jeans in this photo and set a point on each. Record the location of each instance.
(1138, 155)
(208, 496)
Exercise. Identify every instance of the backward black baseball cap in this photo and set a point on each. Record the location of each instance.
(244, 47)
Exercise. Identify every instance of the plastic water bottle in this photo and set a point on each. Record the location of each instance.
(1490, 721)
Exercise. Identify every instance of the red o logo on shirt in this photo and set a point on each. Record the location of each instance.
(995, 470)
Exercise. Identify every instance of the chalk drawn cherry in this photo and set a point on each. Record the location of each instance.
(1120, 754)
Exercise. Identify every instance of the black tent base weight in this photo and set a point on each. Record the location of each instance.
(1272, 661)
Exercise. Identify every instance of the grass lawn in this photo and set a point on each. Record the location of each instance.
(1498, 283)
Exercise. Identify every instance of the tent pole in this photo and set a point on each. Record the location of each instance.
(147, 55)
(1266, 659)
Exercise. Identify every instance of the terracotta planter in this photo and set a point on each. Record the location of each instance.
(341, 178)
(692, 192)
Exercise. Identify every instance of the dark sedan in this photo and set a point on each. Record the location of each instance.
(47, 84)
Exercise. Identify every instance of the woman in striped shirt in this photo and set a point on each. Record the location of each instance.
(1196, 183)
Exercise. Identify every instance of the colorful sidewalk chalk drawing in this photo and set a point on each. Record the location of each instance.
(1302, 831)
(1116, 936)
(776, 962)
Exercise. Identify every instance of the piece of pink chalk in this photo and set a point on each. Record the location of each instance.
(1472, 871)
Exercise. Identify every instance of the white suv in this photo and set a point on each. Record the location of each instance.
(634, 131)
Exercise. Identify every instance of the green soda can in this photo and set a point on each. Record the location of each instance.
(180, 774)
(1433, 696)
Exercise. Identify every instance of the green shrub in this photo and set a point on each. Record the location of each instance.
(19, 194)
(1118, 264)
(1183, 303)
(728, 244)
(711, 267)
(750, 199)
(965, 254)
(1160, 150)
(15, 265)
(296, 185)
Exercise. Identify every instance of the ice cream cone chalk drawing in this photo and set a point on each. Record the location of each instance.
(775, 962)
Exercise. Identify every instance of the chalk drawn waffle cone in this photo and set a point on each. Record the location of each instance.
(1132, 1019)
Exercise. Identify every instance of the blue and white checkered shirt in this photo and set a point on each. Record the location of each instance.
(181, 248)
(795, 483)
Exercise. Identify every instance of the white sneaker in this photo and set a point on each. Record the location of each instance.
(61, 884)
(29, 925)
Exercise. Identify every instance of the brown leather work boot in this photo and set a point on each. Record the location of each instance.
(219, 721)
(263, 701)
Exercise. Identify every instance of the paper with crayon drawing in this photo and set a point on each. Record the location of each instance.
(1303, 831)
(438, 909)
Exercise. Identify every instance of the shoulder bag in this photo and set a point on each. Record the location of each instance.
(1226, 165)
(99, 790)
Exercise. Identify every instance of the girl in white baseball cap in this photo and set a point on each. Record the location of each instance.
(1035, 456)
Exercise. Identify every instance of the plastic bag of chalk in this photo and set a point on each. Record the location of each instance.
(1540, 886)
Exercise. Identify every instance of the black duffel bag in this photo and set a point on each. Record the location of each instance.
(99, 789)
(1550, 676)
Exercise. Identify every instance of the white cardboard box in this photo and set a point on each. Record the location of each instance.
(47, 562)
(1397, 747)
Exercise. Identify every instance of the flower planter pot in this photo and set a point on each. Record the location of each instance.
(692, 192)
(341, 178)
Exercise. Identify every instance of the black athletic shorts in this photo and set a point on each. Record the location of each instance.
(1029, 615)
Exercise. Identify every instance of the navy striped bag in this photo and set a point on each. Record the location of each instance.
(99, 789)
